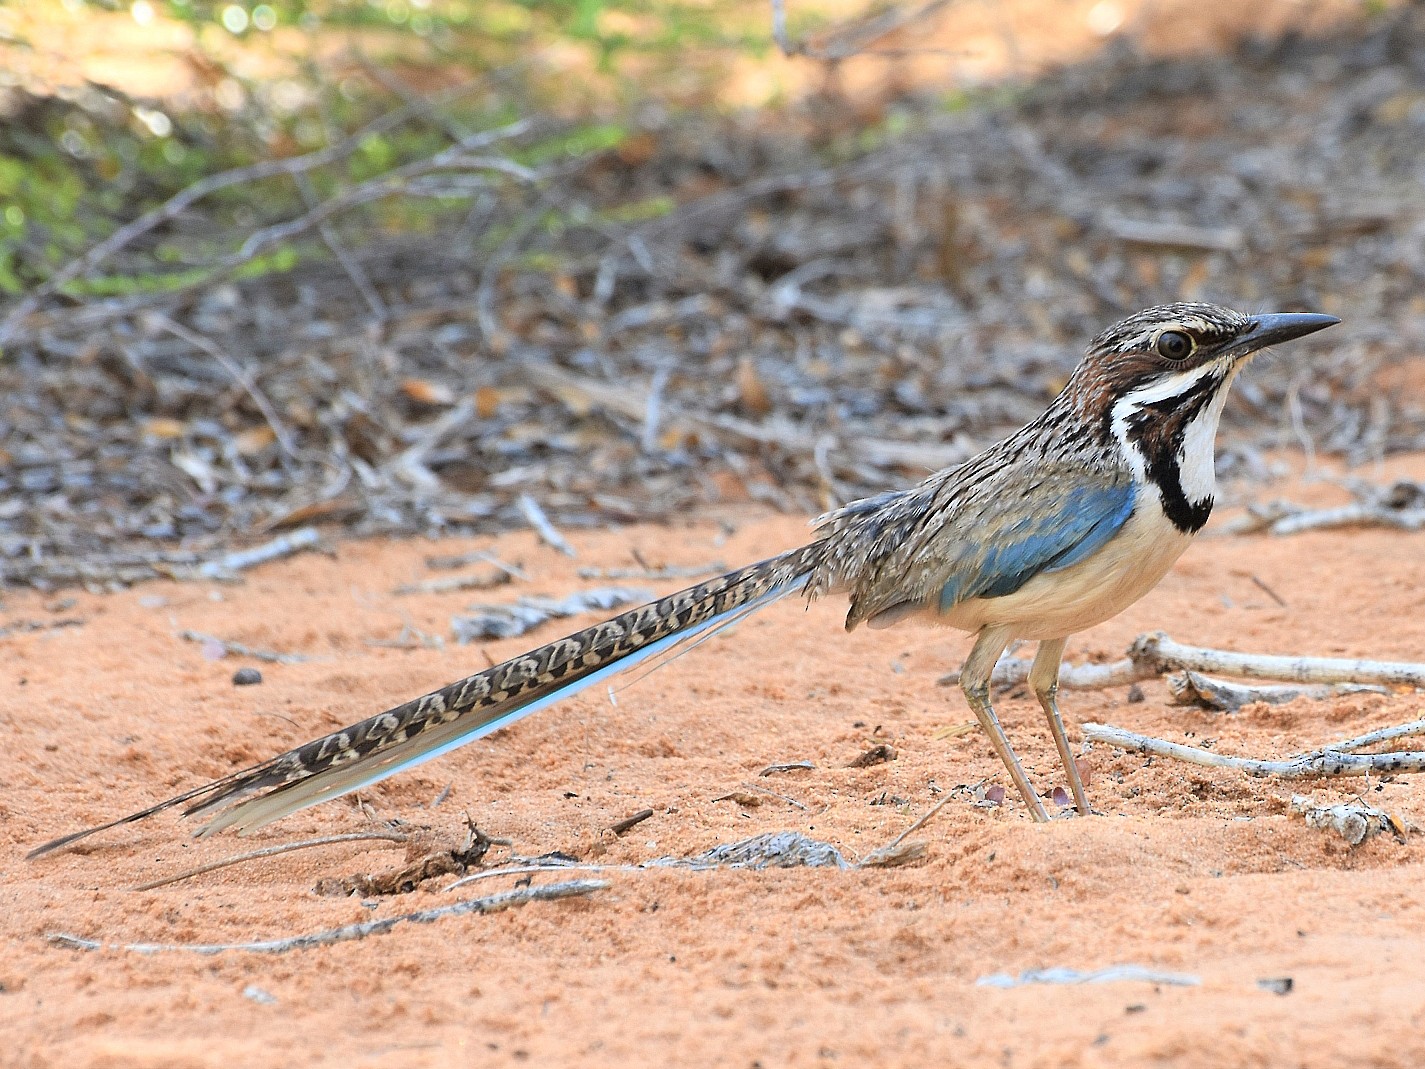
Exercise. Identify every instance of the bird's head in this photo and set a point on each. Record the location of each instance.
(1171, 349)
(1155, 384)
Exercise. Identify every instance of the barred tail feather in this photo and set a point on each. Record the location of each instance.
(436, 723)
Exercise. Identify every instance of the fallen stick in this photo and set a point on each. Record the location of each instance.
(1355, 515)
(893, 853)
(273, 851)
(1160, 652)
(1112, 974)
(1400, 506)
(25, 627)
(626, 823)
(479, 556)
(668, 571)
(239, 374)
(1194, 688)
(1353, 821)
(547, 532)
(1317, 764)
(282, 546)
(451, 583)
(493, 904)
(269, 656)
(784, 849)
(1166, 234)
(774, 794)
(1375, 738)
(786, 766)
(1154, 654)
(1013, 670)
(411, 461)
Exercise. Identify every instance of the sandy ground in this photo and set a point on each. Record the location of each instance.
(1187, 870)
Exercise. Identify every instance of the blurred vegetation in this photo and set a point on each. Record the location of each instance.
(463, 31)
(74, 167)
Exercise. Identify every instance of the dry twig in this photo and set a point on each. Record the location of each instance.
(1321, 764)
(621, 826)
(452, 583)
(281, 546)
(547, 532)
(239, 374)
(1162, 653)
(181, 201)
(519, 896)
(1154, 654)
(273, 851)
(228, 646)
(668, 571)
(1353, 821)
(856, 39)
(1194, 688)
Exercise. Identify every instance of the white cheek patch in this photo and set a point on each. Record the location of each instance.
(1197, 458)
(1162, 389)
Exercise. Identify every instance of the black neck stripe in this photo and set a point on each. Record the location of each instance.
(1157, 428)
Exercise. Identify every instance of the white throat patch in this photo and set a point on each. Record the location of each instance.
(1195, 455)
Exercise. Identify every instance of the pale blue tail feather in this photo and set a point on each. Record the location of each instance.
(255, 812)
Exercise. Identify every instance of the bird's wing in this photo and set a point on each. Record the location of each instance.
(1050, 535)
(983, 542)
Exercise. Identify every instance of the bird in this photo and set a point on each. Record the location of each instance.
(1049, 531)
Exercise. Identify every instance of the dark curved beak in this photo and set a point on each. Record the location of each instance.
(1275, 328)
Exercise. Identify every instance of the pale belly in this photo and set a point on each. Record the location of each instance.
(1058, 604)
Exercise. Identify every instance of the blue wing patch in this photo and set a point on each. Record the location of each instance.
(1085, 520)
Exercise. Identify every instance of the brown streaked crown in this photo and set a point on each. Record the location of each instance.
(1208, 325)
(1125, 356)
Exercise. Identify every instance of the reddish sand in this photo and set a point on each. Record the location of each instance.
(1188, 870)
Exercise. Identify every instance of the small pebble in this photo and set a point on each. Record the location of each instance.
(246, 677)
(1135, 694)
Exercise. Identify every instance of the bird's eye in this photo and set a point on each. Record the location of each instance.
(1175, 345)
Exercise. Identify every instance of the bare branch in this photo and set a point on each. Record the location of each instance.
(181, 201)
(1161, 652)
(238, 372)
(853, 40)
(1015, 670)
(547, 532)
(1354, 515)
(1319, 764)
(1193, 688)
(520, 896)
(270, 656)
(1154, 654)
(354, 271)
(281, 546)
(273, 851)
(1375, 738)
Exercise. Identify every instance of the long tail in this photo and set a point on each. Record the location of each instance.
(426, 727)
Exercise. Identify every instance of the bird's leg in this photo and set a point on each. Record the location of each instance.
(1044, 679)
(975, 681)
